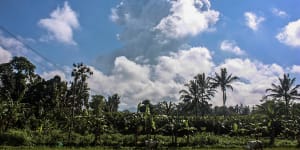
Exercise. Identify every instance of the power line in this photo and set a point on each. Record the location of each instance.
(35, 51)
(31, 48)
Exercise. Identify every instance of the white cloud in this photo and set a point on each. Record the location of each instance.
(290, 34)
(295, 69)
(17, 48)
(61, 24)
(51, 74)
(14, 46)
(5, 56)
(184, 64)
(136, 82)
(230, 46)
(255, 78)
(155, 61)
(253, 21)
(146, 24)
(188, 18)
(279, 13)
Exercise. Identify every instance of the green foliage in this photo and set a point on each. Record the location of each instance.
(35, 111)
(15, 138)
(205, 140)
(223, 80)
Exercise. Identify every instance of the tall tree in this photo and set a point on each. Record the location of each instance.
(166, 108)
(200, 90)
(45, 99)
(223, 80)
(191, 95)
(15, 78)
(113, 103)
(78, 93)
(206, 91)
(97, 119)
(285, 91)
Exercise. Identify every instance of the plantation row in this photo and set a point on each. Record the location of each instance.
(35, 111)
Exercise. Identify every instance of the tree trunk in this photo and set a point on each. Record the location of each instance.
(196, 108)
(173, 138)
(136, 138)
(286, 106)
(272, 135)
(188, 140)
(176, 139)
(224, 97)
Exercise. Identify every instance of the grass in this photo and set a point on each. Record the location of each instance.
(125, 148)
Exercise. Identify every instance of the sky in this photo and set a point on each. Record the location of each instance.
(148, 49)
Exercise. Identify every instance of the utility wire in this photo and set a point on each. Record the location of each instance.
(31, 48)
(35, 51)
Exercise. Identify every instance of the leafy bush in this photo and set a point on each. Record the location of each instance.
(15, 138)
(285, 143)
(205, 139)
(86, 140)
(79, 140)
(128, 140)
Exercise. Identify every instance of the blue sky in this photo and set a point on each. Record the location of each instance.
(149, 49)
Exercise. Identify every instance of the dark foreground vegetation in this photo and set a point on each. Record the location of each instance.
(39, 112)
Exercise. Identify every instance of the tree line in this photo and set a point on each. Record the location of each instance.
(29, 102)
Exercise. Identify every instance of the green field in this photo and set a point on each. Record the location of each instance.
(125, 148)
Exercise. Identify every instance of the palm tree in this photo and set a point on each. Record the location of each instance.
(199, 91)
(284, 90)
(191, 95)
(223, 80)
(205, 89)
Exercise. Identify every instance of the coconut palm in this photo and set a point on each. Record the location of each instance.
(205, 89)
(284, 91)
(191, 96)
(224, 81)
(199, 91)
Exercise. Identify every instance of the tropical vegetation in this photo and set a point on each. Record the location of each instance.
(54, 112)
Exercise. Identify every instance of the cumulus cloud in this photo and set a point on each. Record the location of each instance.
(155, 61)
(290, 34)
(255, 78)
(145, 25)
(5, 56)
(187, 18)
(253, 21)
(136, 82)
(231, 46)
(184, 64)
(50, 74)
(14, 46)
(279, 13)
(60, 24)
(295, 69)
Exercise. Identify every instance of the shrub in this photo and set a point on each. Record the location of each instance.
(128, 140)
(50, 138)
(78, 139)
(15, 138)
(205, 139)
(86, 140)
